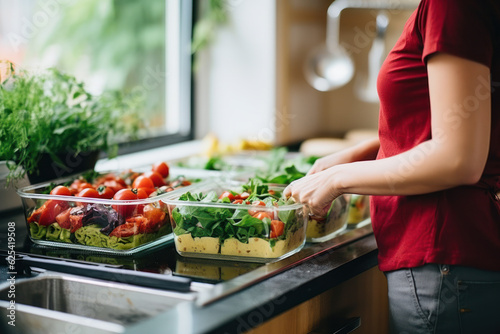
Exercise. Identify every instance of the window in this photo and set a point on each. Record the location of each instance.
(139, 47)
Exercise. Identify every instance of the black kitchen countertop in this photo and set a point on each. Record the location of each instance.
(325, 267)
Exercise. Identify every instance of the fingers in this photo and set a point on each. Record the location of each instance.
(314, 169)
(288, 191)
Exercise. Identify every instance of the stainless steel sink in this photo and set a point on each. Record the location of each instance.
(53, 303)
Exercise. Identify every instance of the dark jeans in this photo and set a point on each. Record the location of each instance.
(444, 299)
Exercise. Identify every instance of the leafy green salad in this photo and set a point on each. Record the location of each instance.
(259, 215)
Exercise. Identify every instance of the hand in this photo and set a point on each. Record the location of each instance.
(329, 161)
(317, 191)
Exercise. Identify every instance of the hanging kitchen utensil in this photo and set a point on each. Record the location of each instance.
(366, 88)
(329, 66)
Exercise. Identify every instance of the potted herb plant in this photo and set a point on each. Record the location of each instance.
(51, 126)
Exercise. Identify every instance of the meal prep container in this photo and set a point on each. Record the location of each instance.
(92, 221)
(321, 229)
(257, 248)
(359, 209)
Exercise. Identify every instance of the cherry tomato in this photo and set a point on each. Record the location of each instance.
(277, 228)
(76, 222)
(155, 215)
(105, 192)
(115, 185)
(156, 177)
(238, 201)
(63, 219)
(84, 185)
(125, 195)
(148, 191)
(101, 179)
(141, 194)
(244, 195)
(88, 192)
(162, 168)
(262, 214)
(143, 182)
(256, 203)
(125, 230)
(50, 210)
(61, 190)
(35, 215)
(227, 194)
(75, 186)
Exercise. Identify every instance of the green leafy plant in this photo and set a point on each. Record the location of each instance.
(51, 113)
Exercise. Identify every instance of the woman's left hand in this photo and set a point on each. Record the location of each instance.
(317, 191)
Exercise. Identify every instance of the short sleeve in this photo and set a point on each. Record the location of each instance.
(462, 28)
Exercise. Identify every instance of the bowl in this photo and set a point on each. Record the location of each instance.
(120, 227)
(321, 229)
(359, 209)
(204, 227)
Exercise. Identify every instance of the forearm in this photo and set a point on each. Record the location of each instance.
(426, 168)
(366, 150)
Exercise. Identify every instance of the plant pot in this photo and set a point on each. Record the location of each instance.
(10, 199)
(48, 169)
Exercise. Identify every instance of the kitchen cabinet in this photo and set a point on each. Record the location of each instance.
(363, 296)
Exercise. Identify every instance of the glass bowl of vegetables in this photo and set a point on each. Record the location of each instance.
(233, 221)
(108, 212)
(321, 229)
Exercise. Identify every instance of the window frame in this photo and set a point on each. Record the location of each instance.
(183, 78)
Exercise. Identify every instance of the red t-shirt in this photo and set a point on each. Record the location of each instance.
(460, 225)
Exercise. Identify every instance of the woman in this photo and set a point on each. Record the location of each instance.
(436, 177)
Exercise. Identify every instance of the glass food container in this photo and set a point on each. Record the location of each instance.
(119, 227)
(205, 227)
(320, 229)
(359, 209)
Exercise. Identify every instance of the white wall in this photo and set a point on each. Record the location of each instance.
(236, 78)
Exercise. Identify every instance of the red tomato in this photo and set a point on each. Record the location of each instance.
(262, 214)
(155, 215)
(162, 168)
(88, 192)
(61, 190)
(256, 203)
(35, 215)
(143, 182)
(50, 210)
(75, 186)
(144, 224)
(244, 195)
(63, 219)
(105, 192)
(84, 185)
(75, 219)
(272, 192)
(148, 191)
(125, 230)
(227, 194)
(277, 228)
(141, 194)
(156, 177)
(115, 185)
(238, 201)
(125, 195)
